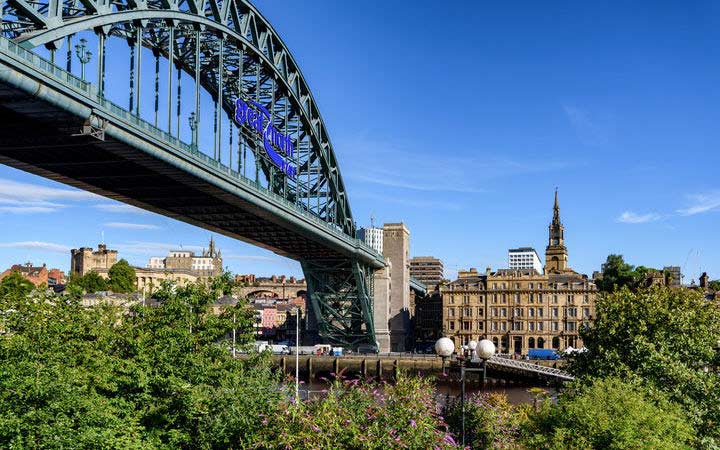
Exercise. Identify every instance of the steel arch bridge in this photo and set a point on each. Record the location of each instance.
(272, 178)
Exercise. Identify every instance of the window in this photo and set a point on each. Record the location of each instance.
(586, 299)
(517, 326)
(555, 326)
(518, 312)
(494, 298)
(539, 285)
(480, 312)
(503, 286)
(531, 326)
(468, 312)
(503, 326)
(451, 325)
(479, 325)
(539, 312)
(571, 298)
(503, 298)
(555, 298)
(531, 299)
(451, 312)
(586, 312)
(494, 285)
(466, 299)
(517, 285)
(517, 298)
(467, 326)
(531, 312)
(531, 285)
(504, 312)
(452, 299)
(555, 312)
(540, 299)
(495, 326)
(572, 312)
(495, 312)
(570, 326)
(540, 326)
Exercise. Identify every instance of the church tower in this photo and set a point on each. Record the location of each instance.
(556, 257)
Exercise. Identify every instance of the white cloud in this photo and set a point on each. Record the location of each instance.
(119, 208)
(131, 226)
(631, 217)
(35, 193)
(36, 245)
(26, 209)
(26, 198)
(701, 203)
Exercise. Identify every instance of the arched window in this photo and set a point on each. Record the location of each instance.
(556, 342)
(531, 342)
(495, 341)
(541, 343)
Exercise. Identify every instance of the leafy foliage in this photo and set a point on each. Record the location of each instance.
(490, 421)
(90, 283)
(361, 416)
(15, 284)
(76, 377)
(122, 277)
(609, 414)
(666, 337)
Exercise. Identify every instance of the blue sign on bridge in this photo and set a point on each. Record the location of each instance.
(257, 117)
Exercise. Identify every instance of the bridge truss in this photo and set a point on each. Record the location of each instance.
(229, 51)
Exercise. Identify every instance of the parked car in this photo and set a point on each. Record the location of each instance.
(542, 353)
(280, 349)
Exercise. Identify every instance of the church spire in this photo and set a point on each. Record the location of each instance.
(556, 252)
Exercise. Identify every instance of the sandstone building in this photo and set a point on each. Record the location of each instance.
(84, 260)
(521, 309)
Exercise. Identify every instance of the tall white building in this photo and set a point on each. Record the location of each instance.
(524, 258)
(373, 237)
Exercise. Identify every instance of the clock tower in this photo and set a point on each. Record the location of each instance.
(556, 257)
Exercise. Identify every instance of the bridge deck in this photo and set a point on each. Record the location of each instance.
(43, 109)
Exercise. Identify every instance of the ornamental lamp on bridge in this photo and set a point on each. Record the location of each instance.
(444, 347)
(483, 350)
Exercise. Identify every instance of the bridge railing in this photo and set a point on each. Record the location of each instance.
(90, 91)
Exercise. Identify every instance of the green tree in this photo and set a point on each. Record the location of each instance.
(490, 421)
(666, 337)
(122, 277)
(91, 282)
(714, 285)
(616, 273)
(609, 414)
(162, 377)
(14, 284)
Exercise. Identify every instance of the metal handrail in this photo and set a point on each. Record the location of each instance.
(88, 90)
(530, 367)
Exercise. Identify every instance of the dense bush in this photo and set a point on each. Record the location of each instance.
(609, 414)
(490, 421)
(356, 415)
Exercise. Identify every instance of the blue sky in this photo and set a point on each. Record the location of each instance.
(460, 121)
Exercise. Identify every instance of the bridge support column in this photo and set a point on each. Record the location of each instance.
(396, 248)
(381, 308)
(379, 369)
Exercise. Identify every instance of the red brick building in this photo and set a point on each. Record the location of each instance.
(39, 276)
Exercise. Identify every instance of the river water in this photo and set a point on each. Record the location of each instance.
(516, 394)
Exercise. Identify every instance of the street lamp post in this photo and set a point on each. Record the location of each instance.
(83, 55)
(193, 128)
(444, 347)
(483, 350)
(297, 355)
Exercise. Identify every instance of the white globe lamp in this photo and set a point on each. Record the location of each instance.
(444, 347)
(485, 349)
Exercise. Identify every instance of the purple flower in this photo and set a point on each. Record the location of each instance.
(412, 423)
(449, 440)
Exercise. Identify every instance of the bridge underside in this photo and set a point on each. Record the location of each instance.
(43, 139)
